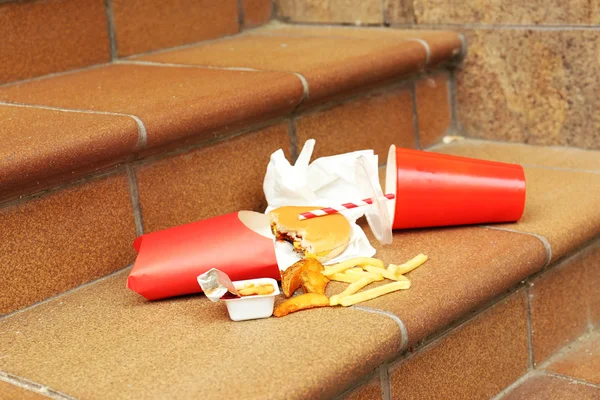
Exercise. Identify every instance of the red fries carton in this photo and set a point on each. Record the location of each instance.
(240, 244)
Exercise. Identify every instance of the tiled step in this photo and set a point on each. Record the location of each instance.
(572, 374)
(94, 157)
(490, 304)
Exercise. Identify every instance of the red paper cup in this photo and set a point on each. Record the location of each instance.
(435, 189)
(240, 244)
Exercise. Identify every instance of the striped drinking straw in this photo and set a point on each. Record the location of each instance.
(334, 210)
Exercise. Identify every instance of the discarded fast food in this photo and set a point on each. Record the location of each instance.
(408, 266)
(376, 276)
(314, 282)
(374, 293)
(292, 278)
(302, 302)
(351, 289)
(322, 238)
(251, 289)
(386, 273)
(353, 262)
(344, 277)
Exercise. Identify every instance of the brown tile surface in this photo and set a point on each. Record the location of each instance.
(41, 37)
(433, 108)
(370, 390)
(210, 181)
(39, 144)
(142, 25)
(592, 263)
(559, 307)
(466, 268)
(174, 103)
(257, 12)
(509, 12)
(12, 392)
(544, 387)
(560, 205)
(582, 361)
(64, 239)
(444, 45)
(516, 153)
(477, 360)
(350, 11)
(545, 95)
(370, 122)
(164, 349)
(342, 64)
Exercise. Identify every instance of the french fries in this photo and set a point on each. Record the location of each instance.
(254, 290)
(409, 265)
(343, 277)
(369, 294)
(344, 265)
(386, 273)
(351, 289)
(376, 276)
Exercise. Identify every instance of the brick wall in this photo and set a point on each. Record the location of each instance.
(532, 73)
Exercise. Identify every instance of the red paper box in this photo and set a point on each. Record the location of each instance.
(240, 244)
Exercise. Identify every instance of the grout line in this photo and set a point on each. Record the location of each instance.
(293, 139)
(58, 295)
(135, 200)
(515, 384)
(452, 87)
(464, 46)
(383, 13)
(364, 379)
(543, 239)
(142, 133)
(54, 75)
(241, 14)
(33, 386)
(426, 46)
(165, 64)
(306, 89)
(110, 20)
(398, 321)
(528, 297)
(413, 92)
(384, 379)
(571, 379)
(529, 27)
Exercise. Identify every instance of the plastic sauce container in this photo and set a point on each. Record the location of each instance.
(252, 307)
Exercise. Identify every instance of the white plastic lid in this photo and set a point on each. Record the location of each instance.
(376, 213)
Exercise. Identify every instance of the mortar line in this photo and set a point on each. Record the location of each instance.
(54, 75)
(425, 45)
(135, 200)
(530, 355)
(572, 379)
(32, 386)
(356, 385)
(516, 384)
(413, 95)
(142, 133)
(451, 26)
(241, 14)
(541, 238)
(110, 21)
(59, 295)
(384, 379)
(396, 319)
(293, 139)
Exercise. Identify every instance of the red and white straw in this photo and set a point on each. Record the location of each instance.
(334, 210)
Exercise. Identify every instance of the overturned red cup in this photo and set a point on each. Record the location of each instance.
(435, 189)
(240, 244)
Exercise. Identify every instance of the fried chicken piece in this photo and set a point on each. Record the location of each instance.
(291, 279)
(302, 302)
(314, 282)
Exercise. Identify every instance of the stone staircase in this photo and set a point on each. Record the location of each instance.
(120, 133)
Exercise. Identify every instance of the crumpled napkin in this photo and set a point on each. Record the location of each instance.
(325, 182)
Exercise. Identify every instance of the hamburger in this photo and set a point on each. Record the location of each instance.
(322, 238)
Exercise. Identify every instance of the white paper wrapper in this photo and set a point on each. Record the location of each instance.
(324, 182)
